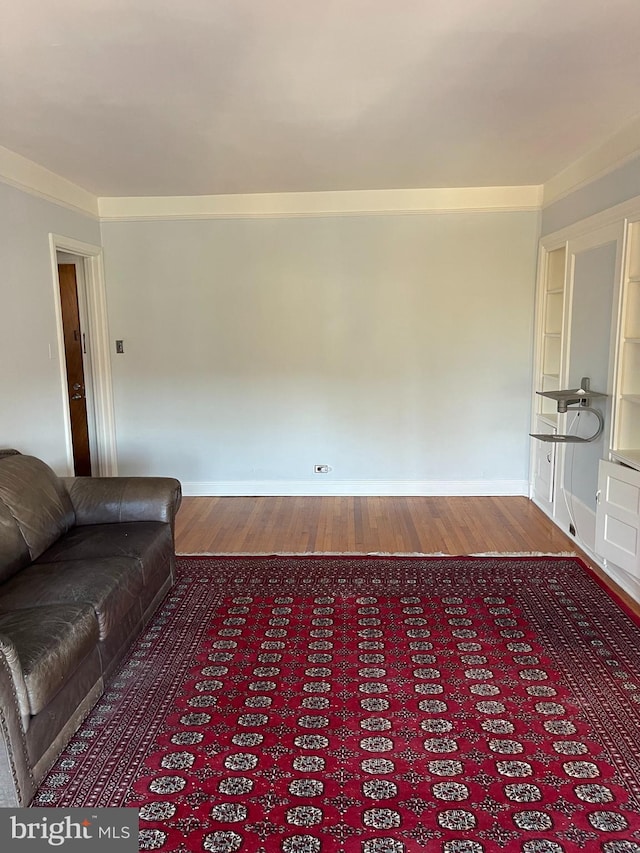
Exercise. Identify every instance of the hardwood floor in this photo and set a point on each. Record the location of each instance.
(427, 525)
(460, 525)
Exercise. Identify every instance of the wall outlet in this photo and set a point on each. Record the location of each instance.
(321, 469)
(572, 529)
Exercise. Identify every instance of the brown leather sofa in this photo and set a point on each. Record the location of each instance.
(84, 563)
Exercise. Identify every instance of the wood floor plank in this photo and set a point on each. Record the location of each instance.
(366, 524)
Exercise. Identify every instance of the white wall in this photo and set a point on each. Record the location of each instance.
(31, 414)
(396, 349)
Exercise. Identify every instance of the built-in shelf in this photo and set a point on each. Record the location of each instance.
(617, 528)
(551, 420)
(549, 376)
(628, 456)
(626, 410)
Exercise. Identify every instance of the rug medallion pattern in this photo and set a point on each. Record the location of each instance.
(378, 705)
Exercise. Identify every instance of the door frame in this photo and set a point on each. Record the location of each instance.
(104, 454)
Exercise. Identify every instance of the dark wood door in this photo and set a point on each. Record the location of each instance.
(73, 346)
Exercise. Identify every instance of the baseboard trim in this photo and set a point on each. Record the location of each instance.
(625, 581)
(366, 488)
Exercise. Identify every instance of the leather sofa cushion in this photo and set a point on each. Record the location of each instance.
(110, 585)
(147, 541)
(110, 500)
(49, 643)
(14, 554)
(68, 707)
(37, 500)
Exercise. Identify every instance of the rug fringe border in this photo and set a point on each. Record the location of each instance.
(374, 554)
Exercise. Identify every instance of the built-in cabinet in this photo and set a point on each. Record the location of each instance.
(618, 516)
(588, 324)
(551, 313)
(618, 507)
(626, 433)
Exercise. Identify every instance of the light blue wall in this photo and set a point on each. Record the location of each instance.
(611, 189)
(593, 292)
(31, 415)
(391, 347)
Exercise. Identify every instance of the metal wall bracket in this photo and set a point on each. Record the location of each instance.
(573, 400)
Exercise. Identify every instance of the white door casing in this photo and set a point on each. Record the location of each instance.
(104, 459)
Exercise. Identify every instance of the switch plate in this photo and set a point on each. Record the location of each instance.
(119, 346)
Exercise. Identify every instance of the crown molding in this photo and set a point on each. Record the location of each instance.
(625, 210)
(31, 177)
(339, 203)
(24, 174)
(614, 152)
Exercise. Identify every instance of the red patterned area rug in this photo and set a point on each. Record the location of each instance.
(372, 704)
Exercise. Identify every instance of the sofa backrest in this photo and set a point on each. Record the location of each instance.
(35, 510)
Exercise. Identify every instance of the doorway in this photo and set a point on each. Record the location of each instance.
(85, 363)
(78, 368)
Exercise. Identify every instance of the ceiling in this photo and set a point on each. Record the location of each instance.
(199, 97)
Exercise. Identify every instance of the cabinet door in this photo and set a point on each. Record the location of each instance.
(618, 516)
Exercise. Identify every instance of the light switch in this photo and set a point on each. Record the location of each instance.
(119, 346)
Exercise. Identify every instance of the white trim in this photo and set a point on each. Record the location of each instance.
(99, 346)
(260, 205)
(538, 355)
(614, 152)
(612, 233)
(629, 209)
(372, 488)
(30, 177)
(66, 414)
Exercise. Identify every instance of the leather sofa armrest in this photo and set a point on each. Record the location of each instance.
(109, 500)
(17, 785)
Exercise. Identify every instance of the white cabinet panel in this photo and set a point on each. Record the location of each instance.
(618, 516)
